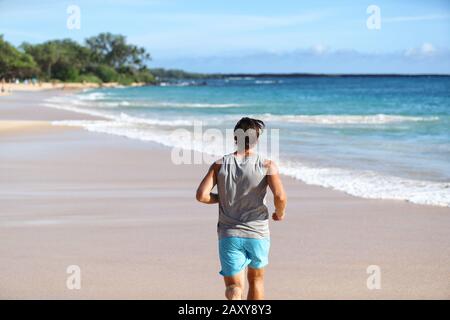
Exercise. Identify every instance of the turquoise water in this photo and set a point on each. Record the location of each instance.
(383, 137)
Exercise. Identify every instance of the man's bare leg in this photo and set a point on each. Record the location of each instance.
(234, 286)
(256, 284)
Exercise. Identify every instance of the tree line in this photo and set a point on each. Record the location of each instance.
(103, 58)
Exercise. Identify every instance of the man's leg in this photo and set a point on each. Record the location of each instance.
(256, 284)
(234, 286)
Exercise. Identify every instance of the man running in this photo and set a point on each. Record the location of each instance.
(242, 178)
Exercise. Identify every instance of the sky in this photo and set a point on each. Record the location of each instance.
(251, 36)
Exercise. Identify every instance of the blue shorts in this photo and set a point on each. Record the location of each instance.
(237, 253)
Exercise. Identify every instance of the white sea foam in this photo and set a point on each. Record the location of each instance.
(125, 129)
(158, 104)
(65, 106)
(78, 110)
(371, 185)
(92, 96)
(97, 99)
(184, 105)
(123, 117)
(267, 81)
(345, 119)
(240, 78)
(366, 184)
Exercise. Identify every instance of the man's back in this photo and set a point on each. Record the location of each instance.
(242, 186)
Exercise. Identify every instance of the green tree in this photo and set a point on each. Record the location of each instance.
(14, 63)
(59, 59)
(105, 73)
(46, 55)
(113, 50)
(104, 58)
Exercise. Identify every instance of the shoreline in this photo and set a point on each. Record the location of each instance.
(364, 184)
(9, 88)
(81, 114)
(127, 216)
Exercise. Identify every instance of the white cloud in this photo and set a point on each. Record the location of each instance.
(319, 49)
(425, 50)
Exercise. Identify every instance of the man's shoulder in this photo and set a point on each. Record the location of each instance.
(270, 166)
(268, 163)
(224, 158)
(218, 163)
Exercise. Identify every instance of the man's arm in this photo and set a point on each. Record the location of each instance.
(204, 193)
(279, 196)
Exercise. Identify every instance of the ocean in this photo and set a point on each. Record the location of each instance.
(372, 137)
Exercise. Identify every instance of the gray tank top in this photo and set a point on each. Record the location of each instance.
(242, 186)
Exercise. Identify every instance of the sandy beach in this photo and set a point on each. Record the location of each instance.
(9, 88)
(121, 211)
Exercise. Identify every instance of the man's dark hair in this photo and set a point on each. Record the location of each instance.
(249, 128)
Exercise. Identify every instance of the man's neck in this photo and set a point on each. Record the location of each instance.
(245, 153)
